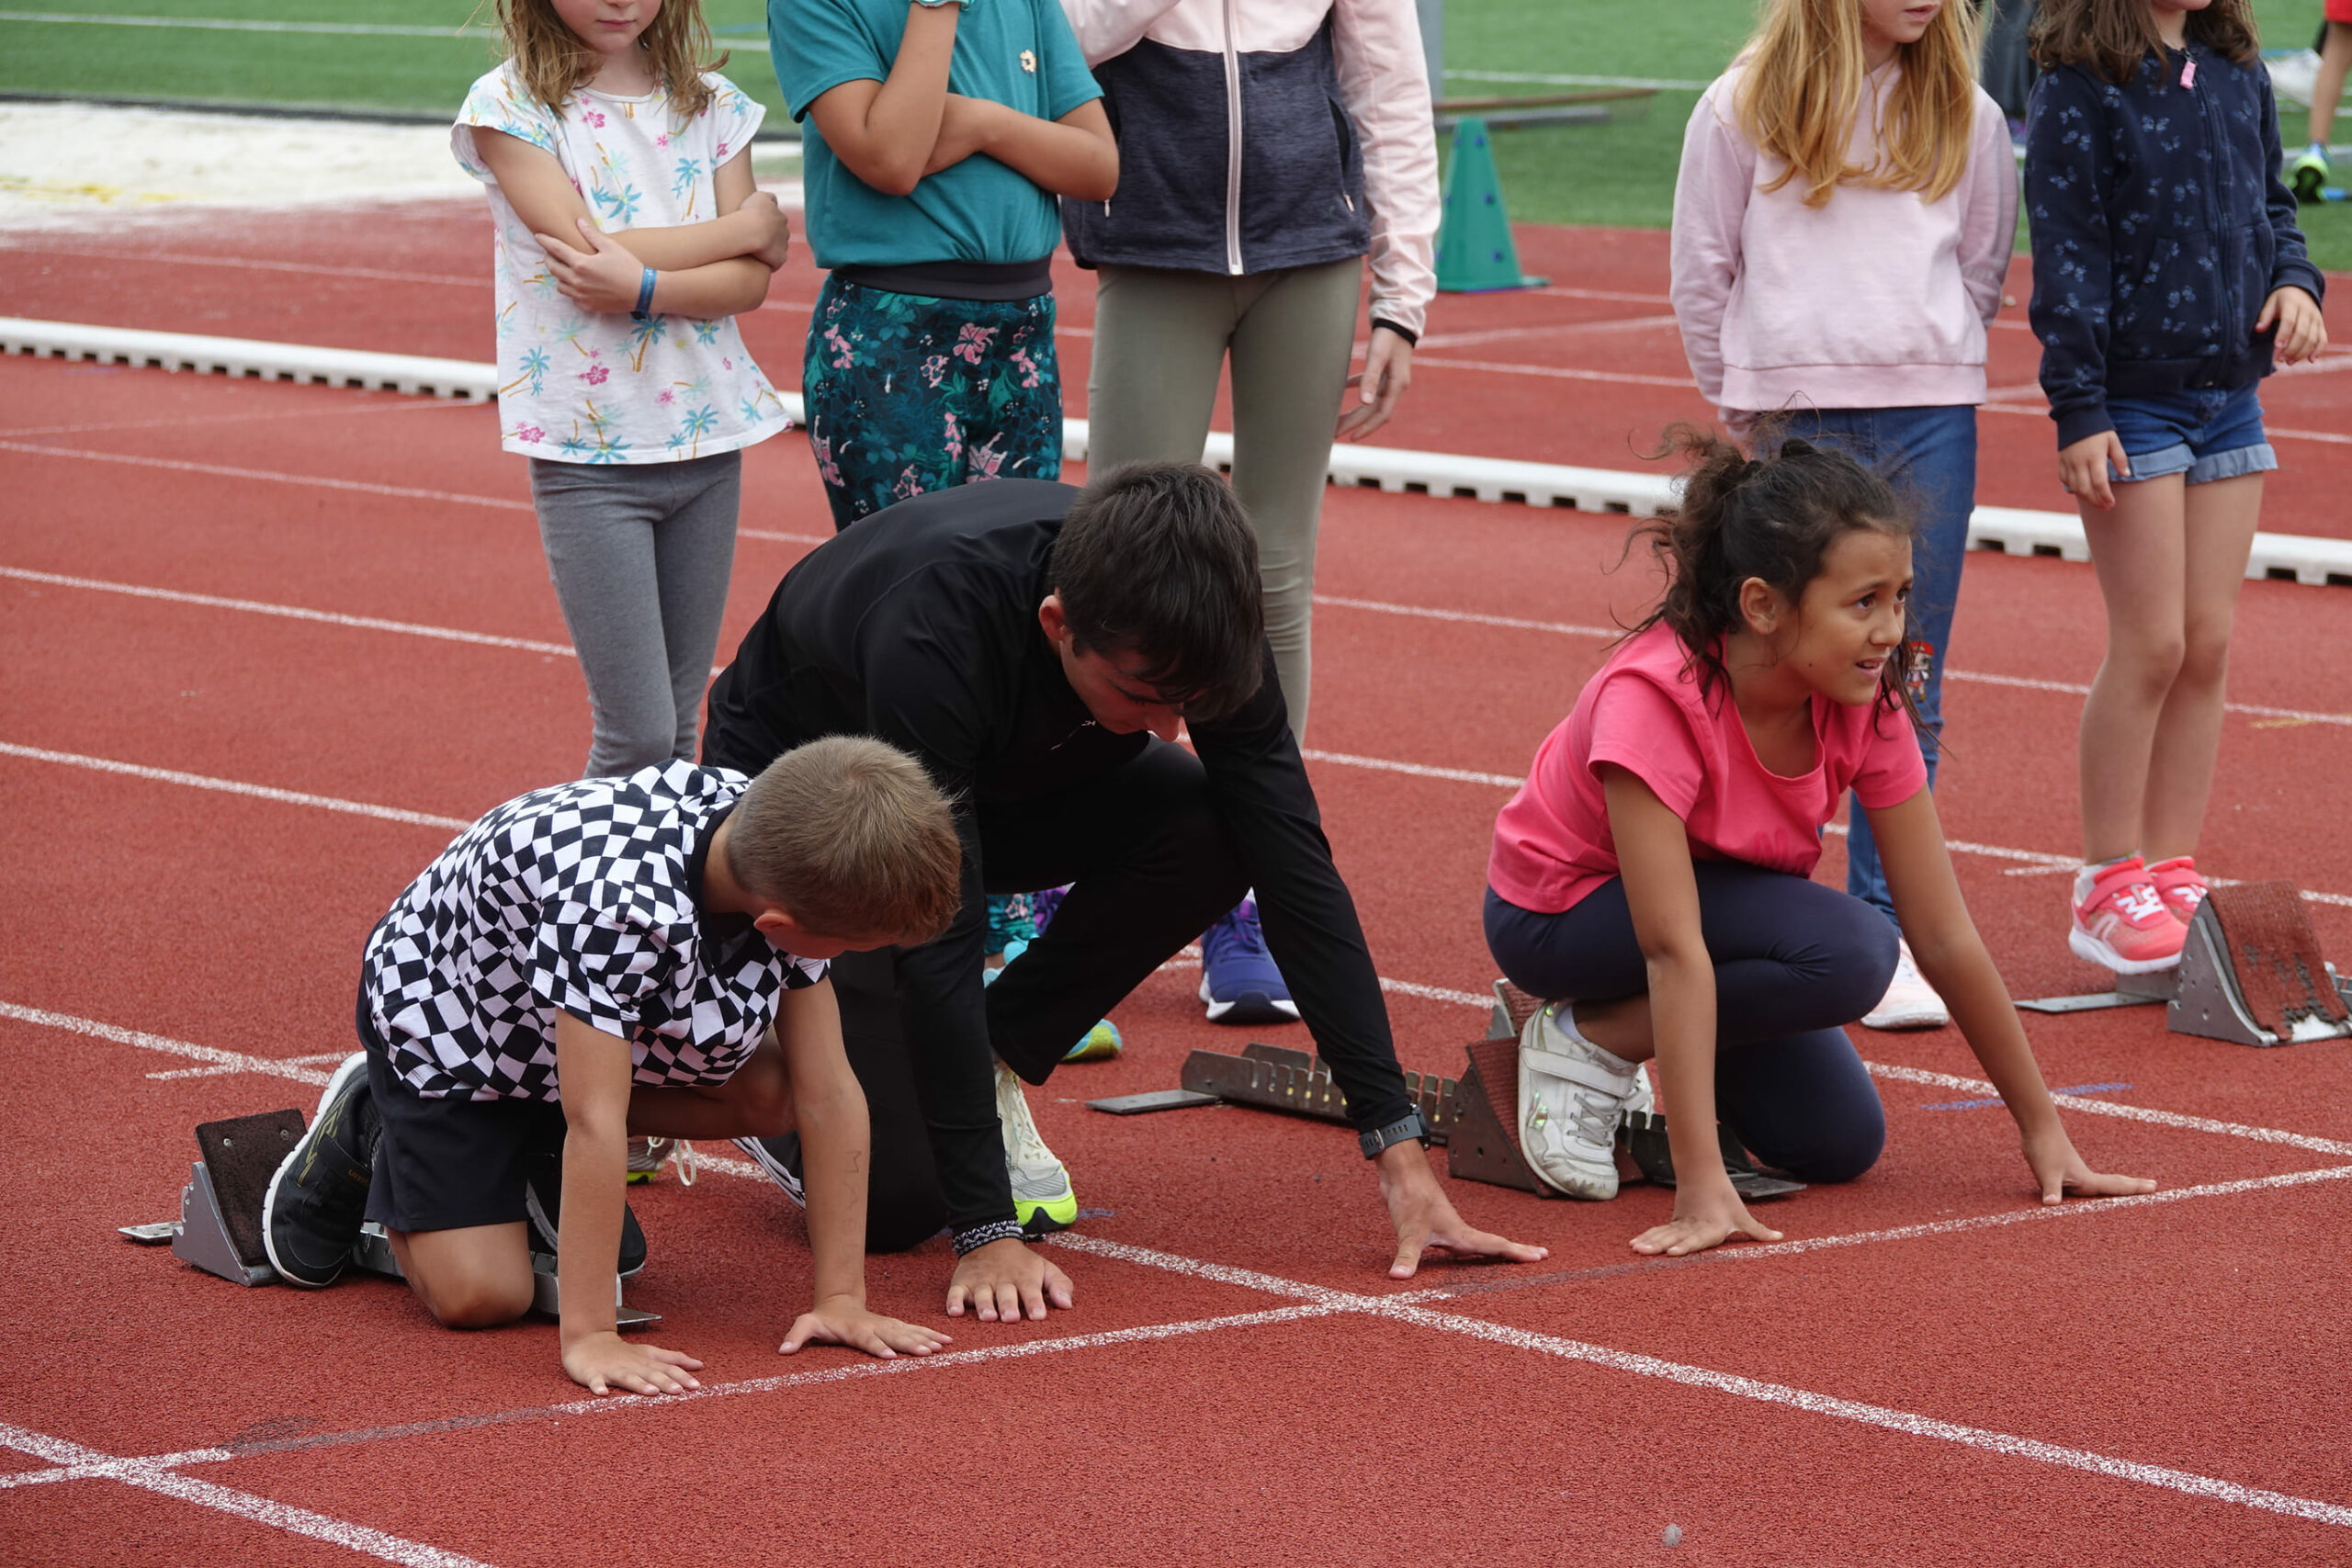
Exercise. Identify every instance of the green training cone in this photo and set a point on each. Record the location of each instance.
(1474, 253)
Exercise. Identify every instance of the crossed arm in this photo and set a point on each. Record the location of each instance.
(892, 133)
(720, 267)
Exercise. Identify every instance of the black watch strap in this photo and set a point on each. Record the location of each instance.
(1409, 1125)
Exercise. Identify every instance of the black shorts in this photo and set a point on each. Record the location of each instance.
(448, 1163)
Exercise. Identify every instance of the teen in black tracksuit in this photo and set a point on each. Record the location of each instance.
(921, 625)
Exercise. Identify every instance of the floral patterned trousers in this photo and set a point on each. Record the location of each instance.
(907, 394)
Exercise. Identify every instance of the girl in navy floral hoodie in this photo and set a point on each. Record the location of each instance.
(2168, 278)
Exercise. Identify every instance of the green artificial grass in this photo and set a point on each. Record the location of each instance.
(1620, 173)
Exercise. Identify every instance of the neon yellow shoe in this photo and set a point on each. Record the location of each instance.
(1042, 1197)
(1102, 1043)
(647, 1155)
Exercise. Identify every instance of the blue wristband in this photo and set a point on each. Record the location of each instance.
(645, 296)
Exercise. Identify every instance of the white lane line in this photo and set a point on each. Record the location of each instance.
(2128, 1112)
(226, 1061)
(1904, 1421)
(1555, 329)
(266, 476)
(1559, 372)
(231, 786)
(1417, 770)
(242, 1505)
(287, 612)
(102, 1467)
(1566, 628)
(405, 404)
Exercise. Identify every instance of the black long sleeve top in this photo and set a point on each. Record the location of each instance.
(919, 626)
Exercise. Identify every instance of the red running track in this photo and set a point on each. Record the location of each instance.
(1933, 1369)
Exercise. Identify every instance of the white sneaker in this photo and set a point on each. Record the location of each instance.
(1571, 1096)
(1042, 1196)
(1910, 1002)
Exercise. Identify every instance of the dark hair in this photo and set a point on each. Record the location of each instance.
(2110, 38)
(1159, 560)
(1773, 519)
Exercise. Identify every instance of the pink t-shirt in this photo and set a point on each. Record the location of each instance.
(1642, 712)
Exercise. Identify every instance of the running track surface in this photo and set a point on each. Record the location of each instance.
(265, 645)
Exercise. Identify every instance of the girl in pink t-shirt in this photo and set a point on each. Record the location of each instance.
(1662, 846)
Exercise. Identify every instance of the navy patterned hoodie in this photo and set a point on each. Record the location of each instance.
(2159, 227)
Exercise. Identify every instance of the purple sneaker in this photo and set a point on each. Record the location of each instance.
(1238, 980)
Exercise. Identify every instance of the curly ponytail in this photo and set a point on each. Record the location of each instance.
(1773, 518)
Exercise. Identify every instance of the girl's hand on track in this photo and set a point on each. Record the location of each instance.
(2059, 1171)
(1702, 1220)
(2302, 331)
(837, 1320)
(602, 1363)
(1004, 1279)
(2082, 467)
(1387, 372)
(1425, 1218)
(605, 277)
(776, 246)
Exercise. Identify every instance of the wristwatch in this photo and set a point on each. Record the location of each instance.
(1409, 1125)
(935, 4)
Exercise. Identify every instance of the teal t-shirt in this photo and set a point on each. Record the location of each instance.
(1017, 52)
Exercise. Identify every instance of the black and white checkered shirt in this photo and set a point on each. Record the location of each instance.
(580, 899)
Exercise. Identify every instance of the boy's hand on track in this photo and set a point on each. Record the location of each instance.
(1424, 1216)
(1006, 1280)
(839, 1320)
(606, 1363)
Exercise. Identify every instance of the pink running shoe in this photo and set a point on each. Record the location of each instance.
(2179, 886)
(2121, 920)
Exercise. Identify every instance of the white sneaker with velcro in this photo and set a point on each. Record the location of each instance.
(1571, 1096)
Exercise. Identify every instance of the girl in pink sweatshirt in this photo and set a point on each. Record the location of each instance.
(1842, 223)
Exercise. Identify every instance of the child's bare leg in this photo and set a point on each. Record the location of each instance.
(2220, 519)
(2138, 550)
(1621, 1027)
(474, 1277)
(755, 1103)
(2327, 82)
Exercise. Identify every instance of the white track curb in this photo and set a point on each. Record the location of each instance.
(2291, 556)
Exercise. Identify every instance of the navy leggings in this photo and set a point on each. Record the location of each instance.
(1794, 961)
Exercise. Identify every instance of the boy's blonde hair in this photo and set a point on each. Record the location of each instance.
(554, 63)
(851, 836)
(1803, 87)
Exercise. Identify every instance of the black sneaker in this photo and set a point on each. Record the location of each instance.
(780, 1157)
(543, 1208)
(312, 1214)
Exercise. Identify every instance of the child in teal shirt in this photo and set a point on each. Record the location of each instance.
(936, 137)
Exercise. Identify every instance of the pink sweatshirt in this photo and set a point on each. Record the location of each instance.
(1875, 299)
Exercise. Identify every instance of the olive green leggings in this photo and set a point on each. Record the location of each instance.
(1162, 338)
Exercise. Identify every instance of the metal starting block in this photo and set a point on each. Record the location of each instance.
(2251, 971)
(1485, 1137)
(1276, 1077)
(2127, 991)
(219, 1229)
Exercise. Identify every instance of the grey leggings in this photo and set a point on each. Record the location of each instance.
(641, 554)
(1161, 339)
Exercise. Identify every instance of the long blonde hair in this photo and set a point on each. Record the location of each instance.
(1803, 86)
(554, 63)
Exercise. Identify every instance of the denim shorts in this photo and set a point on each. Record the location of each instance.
(2211, 434)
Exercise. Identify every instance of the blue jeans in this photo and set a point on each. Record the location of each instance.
(1793, 962)
(1928, 455)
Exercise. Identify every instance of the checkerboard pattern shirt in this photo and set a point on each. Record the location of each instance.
(578, 899)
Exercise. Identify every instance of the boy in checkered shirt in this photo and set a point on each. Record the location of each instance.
(641, 955)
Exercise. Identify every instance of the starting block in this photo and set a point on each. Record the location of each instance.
(219, 1229)
(1485, 1140)
(2251, 972)
(1276, 1077)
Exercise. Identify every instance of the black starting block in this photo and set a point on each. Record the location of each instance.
(219, 1229)
(2251, 971)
